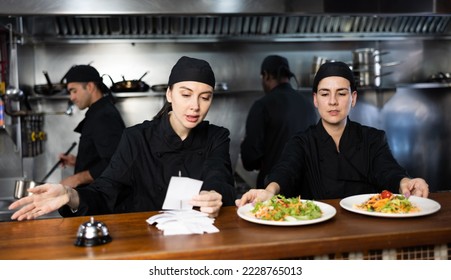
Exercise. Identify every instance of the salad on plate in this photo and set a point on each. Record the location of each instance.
(279, 208)
(387, 202)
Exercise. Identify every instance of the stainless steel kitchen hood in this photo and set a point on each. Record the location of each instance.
(216, 20)
(209, 7)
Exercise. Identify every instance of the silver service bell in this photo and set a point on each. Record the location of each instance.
(92, 233)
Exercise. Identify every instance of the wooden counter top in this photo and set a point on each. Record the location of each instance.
(133, 238)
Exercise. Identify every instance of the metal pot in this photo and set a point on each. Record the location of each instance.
(366, 56)
(369, 78)
(367, 66)
(22, 186)
(14, 94)
(316, 64)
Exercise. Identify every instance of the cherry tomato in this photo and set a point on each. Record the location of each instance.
(386, 194)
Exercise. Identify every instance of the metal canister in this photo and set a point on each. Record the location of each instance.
(22, 186)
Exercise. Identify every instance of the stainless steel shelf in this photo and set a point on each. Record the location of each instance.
(426, 85)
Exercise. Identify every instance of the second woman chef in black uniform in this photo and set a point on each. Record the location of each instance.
(337, 157)
(176, 142)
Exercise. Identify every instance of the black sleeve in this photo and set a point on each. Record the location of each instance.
(386, 170)
(101, 196)
(253, 145)
(290, 168)
(106, 139)
(217, 168)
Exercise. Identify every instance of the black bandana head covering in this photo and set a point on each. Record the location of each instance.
(192, 69)
(83, 74)
(337, 68)
(276, 66)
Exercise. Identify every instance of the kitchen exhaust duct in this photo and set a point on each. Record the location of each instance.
(237, 27)
(216, 20)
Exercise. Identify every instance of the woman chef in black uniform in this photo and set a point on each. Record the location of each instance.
(337, 157)
(176, 142)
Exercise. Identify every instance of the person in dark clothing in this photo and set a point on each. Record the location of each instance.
(274, 118)
(177, 142)
(337, 157)
(100, 130)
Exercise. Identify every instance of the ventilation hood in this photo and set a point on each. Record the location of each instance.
(226, 20)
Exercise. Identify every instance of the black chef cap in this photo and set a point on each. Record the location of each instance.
(192, 69)
(83, 74)
(276, 66)
(336, 68)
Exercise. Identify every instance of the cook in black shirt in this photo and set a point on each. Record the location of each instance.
(100, 130)
(176, 142)
(337, 157)
(274, 118)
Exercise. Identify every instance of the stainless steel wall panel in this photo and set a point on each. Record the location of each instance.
(10, 163)
(415, 120)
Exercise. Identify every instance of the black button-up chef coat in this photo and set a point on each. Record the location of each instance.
(100, 133)
(312, 167)
(148, 155)
(271, 122)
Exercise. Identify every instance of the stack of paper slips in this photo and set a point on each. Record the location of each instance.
(173, 222)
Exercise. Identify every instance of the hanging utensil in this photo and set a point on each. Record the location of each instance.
(12, 91)
(21, 187)
(58, 163)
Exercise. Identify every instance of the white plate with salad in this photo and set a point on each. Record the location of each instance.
(424, 206)
(315, 212)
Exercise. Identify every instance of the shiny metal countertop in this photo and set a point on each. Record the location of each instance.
(5, 214)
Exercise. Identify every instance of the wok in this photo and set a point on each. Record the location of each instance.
(129, 85)
(49, 88)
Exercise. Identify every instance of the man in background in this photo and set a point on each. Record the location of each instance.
(100, 130)
(274, 118)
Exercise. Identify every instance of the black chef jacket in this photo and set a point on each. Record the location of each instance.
(312, 167)
(271, 121)
(148, 155)
(100, 133)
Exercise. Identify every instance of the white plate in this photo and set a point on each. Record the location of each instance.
(427, 206)
(328, 212)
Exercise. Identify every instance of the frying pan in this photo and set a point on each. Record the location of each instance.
(159, 88)
(22, 186)
(129, 85)
(49, 88)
